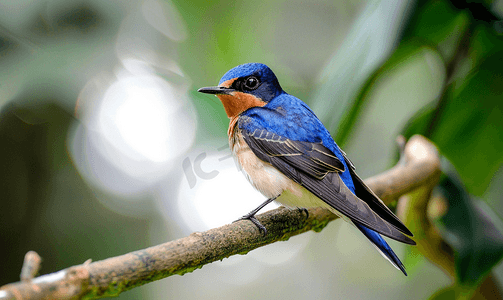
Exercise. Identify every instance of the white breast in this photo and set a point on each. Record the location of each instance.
(268, 180)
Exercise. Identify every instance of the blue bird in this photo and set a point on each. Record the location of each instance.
(289, 156)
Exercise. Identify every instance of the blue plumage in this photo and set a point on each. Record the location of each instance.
(284, 132)
(257, 69)
(377, 240)
(288, 116)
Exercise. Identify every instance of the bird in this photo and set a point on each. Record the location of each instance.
(288, 155)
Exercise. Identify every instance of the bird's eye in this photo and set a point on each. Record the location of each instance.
(251, 83)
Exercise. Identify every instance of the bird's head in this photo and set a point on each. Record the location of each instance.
(244, 87)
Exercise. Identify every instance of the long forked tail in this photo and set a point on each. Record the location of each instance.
(382, 246)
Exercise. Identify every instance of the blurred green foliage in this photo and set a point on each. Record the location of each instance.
(465, 122)
(48, 207)
(477, 241)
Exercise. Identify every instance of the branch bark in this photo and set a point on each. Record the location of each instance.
(419, 166)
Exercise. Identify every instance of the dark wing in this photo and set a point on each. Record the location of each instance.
(316, 168)
(376, 204)
(312, 158)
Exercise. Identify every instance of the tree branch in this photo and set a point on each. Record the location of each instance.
(419, 166)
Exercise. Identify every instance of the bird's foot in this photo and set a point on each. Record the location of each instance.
(303, 210)
(254, 220)
(251, 215)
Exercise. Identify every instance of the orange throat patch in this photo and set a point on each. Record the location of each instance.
(238, 102)
(235, 104)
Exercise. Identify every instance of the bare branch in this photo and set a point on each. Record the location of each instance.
(419, 166)
(31, 266)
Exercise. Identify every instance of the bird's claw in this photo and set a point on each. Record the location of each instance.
(254, 220)
(303, 209)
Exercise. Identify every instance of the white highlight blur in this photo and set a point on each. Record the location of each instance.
(50, 277)
(137, 116)
(219, 200)
(132, 131)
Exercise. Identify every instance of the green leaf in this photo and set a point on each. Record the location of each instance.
(439, 24)
(471, 231)
(467, 124)
(370, 41)
(435, 26)
(448, 293)
(403, 55)
(468, 131)
(453, 292)
(418, 124)
(484, 43)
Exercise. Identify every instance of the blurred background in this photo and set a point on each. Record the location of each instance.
(106, 147)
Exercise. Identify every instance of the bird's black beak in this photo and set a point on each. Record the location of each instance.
(216, 90)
